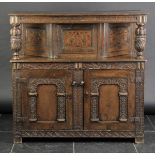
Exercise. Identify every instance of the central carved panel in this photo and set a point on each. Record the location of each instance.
(77, 38)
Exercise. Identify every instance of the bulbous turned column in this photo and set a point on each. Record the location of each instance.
(15, 33)
(140, 37)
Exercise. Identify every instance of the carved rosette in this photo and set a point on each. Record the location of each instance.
(15, 33)
(140, 37)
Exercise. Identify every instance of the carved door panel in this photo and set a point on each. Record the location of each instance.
(48, 104)
(109, 100)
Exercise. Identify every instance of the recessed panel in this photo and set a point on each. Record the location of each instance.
(109, 103)
(47, 103)
(35, 40)
(118, 40)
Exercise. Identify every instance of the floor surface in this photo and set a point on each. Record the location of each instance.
(76, 145)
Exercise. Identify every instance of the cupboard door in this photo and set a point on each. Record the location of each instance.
(109, 102)
(48, 104)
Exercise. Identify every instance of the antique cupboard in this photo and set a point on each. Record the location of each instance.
(78, 74)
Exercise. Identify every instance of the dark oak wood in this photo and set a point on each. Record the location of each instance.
(78, 74)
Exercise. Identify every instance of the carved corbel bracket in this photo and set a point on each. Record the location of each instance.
(140, 36)
(15, 33)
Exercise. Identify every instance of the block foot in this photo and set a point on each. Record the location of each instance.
(17, 140)
(139, 140)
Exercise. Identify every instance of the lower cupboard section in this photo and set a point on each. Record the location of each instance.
(82, 102)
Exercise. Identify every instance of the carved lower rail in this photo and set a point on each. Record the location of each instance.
(78, 133)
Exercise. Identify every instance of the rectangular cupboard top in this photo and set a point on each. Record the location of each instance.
(78, 17)
(107, 13)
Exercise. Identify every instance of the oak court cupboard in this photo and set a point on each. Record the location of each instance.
(78, 74)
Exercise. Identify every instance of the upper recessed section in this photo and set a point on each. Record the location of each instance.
(74, 35)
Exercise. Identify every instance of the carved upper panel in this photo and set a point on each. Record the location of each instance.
(77, 38)
(114, 65)
(119, 40)
(35, 41)
(116, 41)
(35, 38)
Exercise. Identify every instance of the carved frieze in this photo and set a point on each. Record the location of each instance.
(93, 65)
(52, 65)
(78, 19)
(109, 65)
(76, 133)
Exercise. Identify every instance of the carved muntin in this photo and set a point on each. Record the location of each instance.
(104, 44)
(140, 100)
